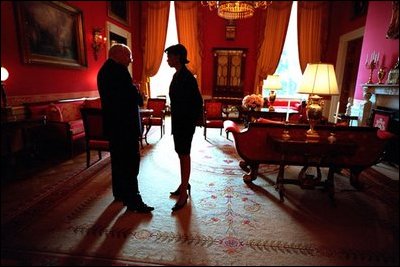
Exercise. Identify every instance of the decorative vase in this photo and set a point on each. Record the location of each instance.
(381, 75)
(314, 114)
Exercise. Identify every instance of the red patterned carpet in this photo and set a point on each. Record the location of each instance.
(226, 222)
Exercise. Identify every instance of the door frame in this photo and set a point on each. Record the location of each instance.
(341, 63)
(111, 27)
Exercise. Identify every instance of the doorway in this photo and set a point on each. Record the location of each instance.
(350, 45)
(350, 72)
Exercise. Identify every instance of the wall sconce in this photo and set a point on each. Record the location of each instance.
(4, 77)
(98, 41)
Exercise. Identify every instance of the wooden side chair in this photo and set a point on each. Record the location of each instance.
(213, 115)
(94, 136)
(157, 118)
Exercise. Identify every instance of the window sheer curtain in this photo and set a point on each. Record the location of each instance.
(275, 22)
(155, 24)
(312, 21)
(187, 13)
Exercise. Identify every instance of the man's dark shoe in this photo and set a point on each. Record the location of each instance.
(139, 208)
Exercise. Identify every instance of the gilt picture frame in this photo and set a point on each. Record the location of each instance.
(393, 29)
(119, 11)
(51, 33)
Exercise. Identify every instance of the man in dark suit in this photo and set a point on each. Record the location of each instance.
(120, 101)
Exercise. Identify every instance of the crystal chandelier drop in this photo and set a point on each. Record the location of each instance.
(236, 9)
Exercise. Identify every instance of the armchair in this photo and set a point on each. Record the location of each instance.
(157, 118)
(213, 116)
(94, 136)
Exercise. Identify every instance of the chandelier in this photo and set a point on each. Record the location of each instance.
(235, 9)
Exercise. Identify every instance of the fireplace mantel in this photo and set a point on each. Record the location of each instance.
(381, 89)
(379, 95)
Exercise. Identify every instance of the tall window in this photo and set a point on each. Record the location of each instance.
(159, 84)
(289, 65)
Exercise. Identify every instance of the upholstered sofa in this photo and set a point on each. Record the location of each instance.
(294, 104)
(258, 144)
(63, 122)
(297, 109)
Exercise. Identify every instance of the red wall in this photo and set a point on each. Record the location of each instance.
(213, 29)
(347, 23)
(41, 79)
(30, 80)
(378, 19)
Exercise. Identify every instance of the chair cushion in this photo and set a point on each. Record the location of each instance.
(156, 121)
(157, 105)
(214, 110)
(99, 144)
(37, 111)
(231, 126)
(53, 113)
(263, 120)
(76, 126)
(92, 103)
(71, 110)
(214, 123)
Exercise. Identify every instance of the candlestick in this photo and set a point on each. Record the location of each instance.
(337, 111)
(371, 64)
(287, 112)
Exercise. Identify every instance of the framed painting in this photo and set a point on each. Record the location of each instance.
(360, 8)
(119, 11)
(50, 32)
(382, 119)
(393, 30)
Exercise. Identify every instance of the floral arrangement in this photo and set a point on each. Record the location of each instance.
(253, 101)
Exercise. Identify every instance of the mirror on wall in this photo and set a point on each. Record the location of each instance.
(116, 34)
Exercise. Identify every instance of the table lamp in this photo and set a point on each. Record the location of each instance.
(4, 77)
(318, 79)
(272, 84)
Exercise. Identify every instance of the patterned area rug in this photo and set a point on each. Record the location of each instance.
(226, 221)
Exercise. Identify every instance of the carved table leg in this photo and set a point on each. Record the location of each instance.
(330, 183)
(251, 169)
(244, 166)
(279, 182)
(354, 178)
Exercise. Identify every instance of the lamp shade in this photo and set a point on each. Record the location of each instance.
(4, 74)
(319, 79)
(273, 82)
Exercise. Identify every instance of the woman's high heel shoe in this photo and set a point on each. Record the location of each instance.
(177, 192)
(178, 205)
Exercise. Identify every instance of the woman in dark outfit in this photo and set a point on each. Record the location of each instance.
(186, 109)
(120, 102)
